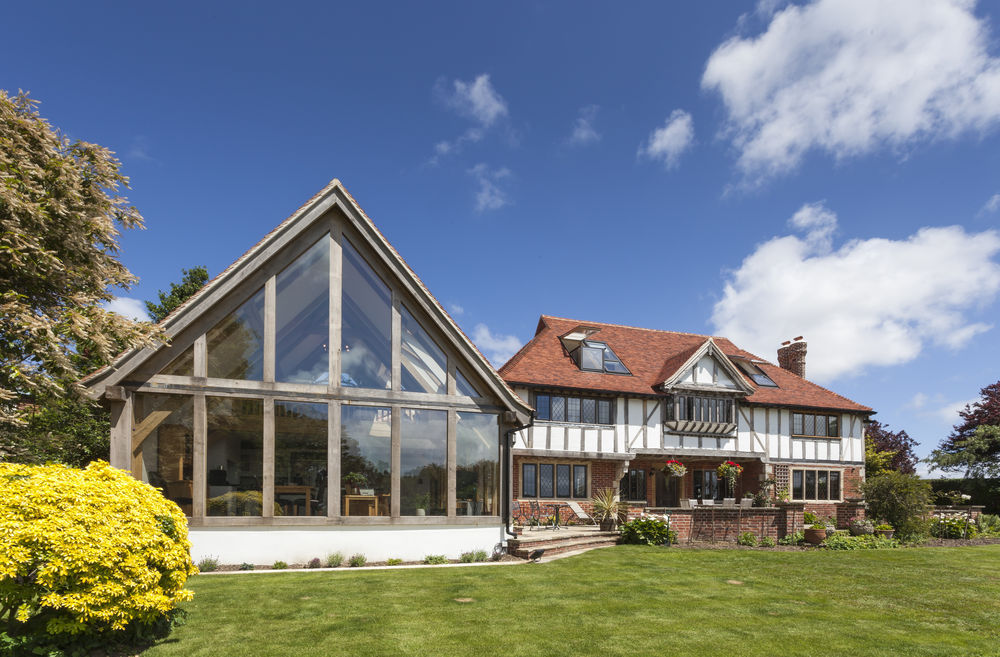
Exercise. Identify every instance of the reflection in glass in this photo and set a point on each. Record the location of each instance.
(810, 484)
(545, 478)
(300, 458)
(424, 364)
(183, 365)
(236, 344)
(302, 317)
(477, 477)
(235, 456)
(161, 426)
(365, 458)
(423, 462)
(366, 357)
(834, 485)
(529, 480)
(463, 387)
(797, 493)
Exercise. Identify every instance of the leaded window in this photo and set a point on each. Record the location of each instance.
(560, 408)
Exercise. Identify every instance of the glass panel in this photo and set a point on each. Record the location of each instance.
(529, 477)
(603, 411)
(424, 364)
(477, 475)
(302, 317)
(545, 476)
(365, 458)
(542, 407)
(834, 485)
(162, 429)
(573, 409)
(705, 415)
(300, 461)
(235, 457)
(366, 355)
(796, 424)
(810, 484)
(423, 480)
(820, 425)
(590, 411)
(615, 367)
(797, 493)
(236, 344)
(682, 408)
(562, 480)
(592, 359)
(559, 409)
(183, 365)
(579, 481)
(809, 428)
(463, 387)
(822, 491)
(834, 426)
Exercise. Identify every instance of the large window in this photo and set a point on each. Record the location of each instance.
(424, 366)
(700, 409)
(365, 460)
(554, 480)
(586, 410)
(302, 317)
(235, 456)
(633, 485)
(300, 476)
(477, 472)
(423, 475)
(236, 344)
(811, 425)
(366, 326)
(816, 484)
(162, 429)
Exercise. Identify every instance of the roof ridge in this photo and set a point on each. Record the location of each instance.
(639, 328)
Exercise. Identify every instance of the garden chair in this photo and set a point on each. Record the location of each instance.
(580, 513)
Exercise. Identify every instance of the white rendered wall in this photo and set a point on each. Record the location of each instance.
(232, 545)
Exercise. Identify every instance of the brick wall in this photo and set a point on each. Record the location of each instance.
(601, 473)
(718, 523)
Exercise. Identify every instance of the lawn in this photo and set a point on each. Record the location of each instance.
(626, 600)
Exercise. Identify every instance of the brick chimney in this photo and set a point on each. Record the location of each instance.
(792, 356)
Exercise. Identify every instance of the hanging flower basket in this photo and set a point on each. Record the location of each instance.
(730, 471)
(674, 469)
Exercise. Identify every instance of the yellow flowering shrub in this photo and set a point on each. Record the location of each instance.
(87, 551)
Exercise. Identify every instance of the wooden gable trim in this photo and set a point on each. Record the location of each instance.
(711, 349)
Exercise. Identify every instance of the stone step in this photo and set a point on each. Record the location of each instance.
(556, 546)
(548, 536)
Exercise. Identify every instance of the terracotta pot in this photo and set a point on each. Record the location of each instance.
(887, 533)
(815, 536)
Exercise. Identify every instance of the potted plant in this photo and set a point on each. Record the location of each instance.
(747, 500)
(674, 469)
(884, 529)
(423, 503)
(730, 471)
(861, 527)
(354, 481)
(815, 533)
(831, 526)
(608, 509)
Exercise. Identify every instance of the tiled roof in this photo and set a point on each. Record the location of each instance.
(652, 356)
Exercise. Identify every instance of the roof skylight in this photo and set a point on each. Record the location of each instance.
(592, 356)
(755, 373)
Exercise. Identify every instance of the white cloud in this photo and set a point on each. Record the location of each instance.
(918, 402)
(477, 101)
(490, 195)
(948, 413)
(456, 309)
(991, 205)
(669, 142)
(583, 129)
(849, 76)
(127, 307)
(139, 149)
(498, 348)
(870, 302)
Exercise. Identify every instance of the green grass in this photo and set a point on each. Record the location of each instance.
(629, 600)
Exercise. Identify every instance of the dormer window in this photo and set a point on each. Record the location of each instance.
(754, 372)
(592, 356)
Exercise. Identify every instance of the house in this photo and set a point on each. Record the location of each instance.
(614, 403)
(315, 397)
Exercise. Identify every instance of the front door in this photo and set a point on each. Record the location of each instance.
(667, 490)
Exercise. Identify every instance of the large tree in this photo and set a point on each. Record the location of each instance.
(974, 443)
(881, 441)
(192, 280)
(61, 211)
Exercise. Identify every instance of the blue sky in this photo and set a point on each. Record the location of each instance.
(823, 169)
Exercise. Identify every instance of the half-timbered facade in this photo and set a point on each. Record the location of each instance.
(315, 397)
(614, 403)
